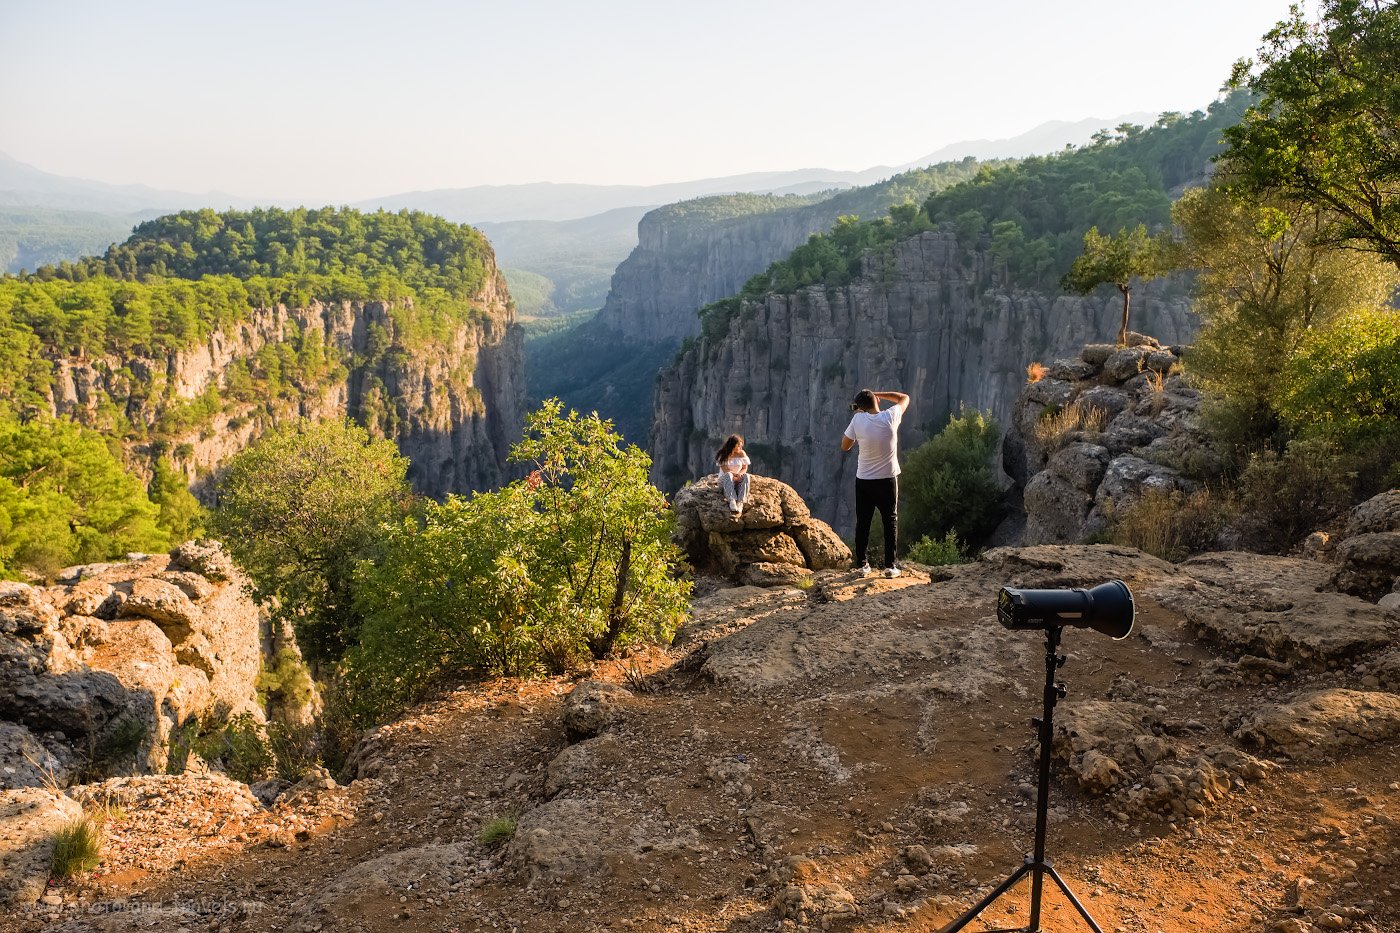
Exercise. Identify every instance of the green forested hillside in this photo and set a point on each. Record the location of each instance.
(420, 250)
(1031, 215)
(104, 334)
(34, 236)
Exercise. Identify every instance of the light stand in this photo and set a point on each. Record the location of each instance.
(1036, 864)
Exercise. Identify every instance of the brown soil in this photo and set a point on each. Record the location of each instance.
(720, 785)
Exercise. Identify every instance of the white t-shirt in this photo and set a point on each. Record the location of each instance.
(878, 439)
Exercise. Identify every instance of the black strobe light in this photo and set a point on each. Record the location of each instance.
(1107, 608)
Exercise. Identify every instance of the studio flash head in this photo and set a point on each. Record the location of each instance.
(1106, 608)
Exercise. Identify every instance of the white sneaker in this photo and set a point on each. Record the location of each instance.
(893, 571)
(735, 507)
(864, 570)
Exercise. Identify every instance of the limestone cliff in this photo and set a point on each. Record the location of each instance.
(679, 266)
(927, 318)
(696, 252)
(448, 389)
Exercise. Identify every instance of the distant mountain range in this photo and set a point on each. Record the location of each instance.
(574, 234)
(23, 185)
(27, 186)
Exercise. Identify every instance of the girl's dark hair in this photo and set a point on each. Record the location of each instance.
(727, 448)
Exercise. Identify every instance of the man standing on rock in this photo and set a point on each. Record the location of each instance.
(877, 469)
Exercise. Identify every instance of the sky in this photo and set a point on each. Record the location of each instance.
(341, 100)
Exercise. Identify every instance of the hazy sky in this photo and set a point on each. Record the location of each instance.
(339, 100)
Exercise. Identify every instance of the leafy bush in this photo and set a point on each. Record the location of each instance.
(66, 499)
(1344, 383)
(286, 683)
(298, 509)
(1284, 497)
(77, 847)
(241, 748)
(938, 552)
(1169, 524)
(948, 483)
(567, 564)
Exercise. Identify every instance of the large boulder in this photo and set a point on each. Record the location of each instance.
(773, 541)
(29, 817)
(1324, 722)
(105, 665)
(1369, 550)
(1115, 425)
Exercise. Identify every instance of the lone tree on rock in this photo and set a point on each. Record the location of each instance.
(1128, 257)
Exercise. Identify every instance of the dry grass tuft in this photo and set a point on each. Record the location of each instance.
(1170, 525)
(1036, 372)
(1055, 425)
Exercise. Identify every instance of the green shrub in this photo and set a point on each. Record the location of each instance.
(287, 682)
(241, 747)
(1284, 497)
(65, 498)
(1169, 524)
(1344, 383)
(77, 847)
(938, 552)
(949, 483)
(546, 573)
(298, 509)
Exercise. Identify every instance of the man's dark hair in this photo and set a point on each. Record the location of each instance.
(865, 400)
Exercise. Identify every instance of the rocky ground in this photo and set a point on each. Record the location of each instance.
(852, 755)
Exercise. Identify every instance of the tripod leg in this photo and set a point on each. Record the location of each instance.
(986, 902)
(1083, 912)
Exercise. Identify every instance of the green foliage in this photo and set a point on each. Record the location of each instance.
(532, 293)
(287, 682)
(1122, 260)
(419, 250)
(938, 552)
(34, 236)
(180, 514)
(1322, 132)
(569, 563)
(77, 847)
(1268, 275)
(297, 509)
(241, 748)
(949, 485)
(497, 831)
(1344, 383)
(1283, 497)
(65, 499)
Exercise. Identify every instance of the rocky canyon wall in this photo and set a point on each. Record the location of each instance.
(927, 318)
(447, 389)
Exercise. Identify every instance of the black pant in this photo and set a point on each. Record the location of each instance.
(872, 494)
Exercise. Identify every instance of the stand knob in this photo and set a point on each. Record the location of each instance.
(1060, 691)
(1060, 660)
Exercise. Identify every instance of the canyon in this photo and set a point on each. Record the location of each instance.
(930, 318)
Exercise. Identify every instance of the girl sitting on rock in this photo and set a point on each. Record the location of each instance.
(734, 472)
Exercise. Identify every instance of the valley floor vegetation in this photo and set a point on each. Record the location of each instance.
(388, 593)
